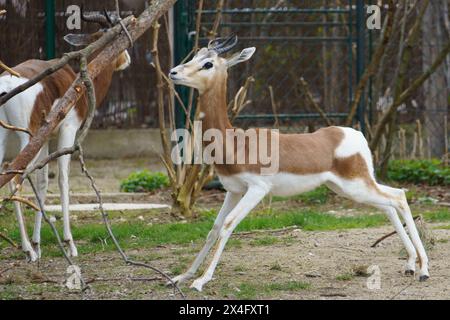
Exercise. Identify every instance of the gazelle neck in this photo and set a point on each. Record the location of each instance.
(213, 104)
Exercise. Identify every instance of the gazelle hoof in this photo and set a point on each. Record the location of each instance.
(31, 256)
(409, 272)
(423, 278)
(178, 279)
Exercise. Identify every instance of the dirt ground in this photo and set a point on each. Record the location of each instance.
(289, 264)
(325, 261)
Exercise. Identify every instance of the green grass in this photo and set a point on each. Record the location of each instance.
(345, 277)
(88, 236)
(251, 290)
(319, 195)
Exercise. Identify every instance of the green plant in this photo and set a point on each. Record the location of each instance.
(144, 181)
(431, 172)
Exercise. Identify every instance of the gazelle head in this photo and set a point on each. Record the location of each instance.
(105, 21)
(206, 66)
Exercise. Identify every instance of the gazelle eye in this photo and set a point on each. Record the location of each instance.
(207, 65)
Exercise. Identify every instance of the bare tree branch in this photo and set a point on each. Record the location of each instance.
(374, 63)
(65, 104)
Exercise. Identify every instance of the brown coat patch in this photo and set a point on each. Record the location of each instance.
(56, 85)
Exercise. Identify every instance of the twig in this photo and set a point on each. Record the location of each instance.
(9, 70)
(274, 107)
(21, 200)
(14, 128)
(213, 32)
(124, 28)
(9, 240)
(122, 279)
(55, 232)
(310, 98)
(281, 230)
(389, 234)
(109, 229)
(374, 63)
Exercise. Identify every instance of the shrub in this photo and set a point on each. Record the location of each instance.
(144, 181)
(431, 172)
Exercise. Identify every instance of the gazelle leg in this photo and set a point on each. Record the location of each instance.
(66, 140)
(26, 245)
(231, 199)
(41, 186)
(412, 255)
(401, 205)
(252, 197)
(382, 196)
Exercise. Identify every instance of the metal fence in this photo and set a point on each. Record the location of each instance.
(301, 39)
(323, 41)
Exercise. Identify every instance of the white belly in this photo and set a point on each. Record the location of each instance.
(280, 184)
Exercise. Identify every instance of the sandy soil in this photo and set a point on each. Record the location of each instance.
(320, 259)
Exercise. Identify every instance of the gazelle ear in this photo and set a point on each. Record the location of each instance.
(242, 56)
(78, 40)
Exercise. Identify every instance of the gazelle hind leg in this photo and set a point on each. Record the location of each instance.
(251, 198)
(401, 205)
(231, 199)
(410, 266)
(388, 199)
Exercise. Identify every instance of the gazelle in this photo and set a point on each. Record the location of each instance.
(338, 157)
(28, 110)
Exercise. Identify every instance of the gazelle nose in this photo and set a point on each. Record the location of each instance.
(172, 73)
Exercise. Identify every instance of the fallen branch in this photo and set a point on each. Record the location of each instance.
(389, 234)
(9, 240)
(109, 229)
(281, 230)
(55, 232)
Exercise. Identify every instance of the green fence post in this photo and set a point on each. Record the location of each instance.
(360, 58)
(50, 38)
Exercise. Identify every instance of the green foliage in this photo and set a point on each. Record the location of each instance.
(144, 181)
(431, 172)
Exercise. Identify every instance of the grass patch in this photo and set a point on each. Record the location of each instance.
(249, 291)
(319, 195)
(345, 276)
(288, 286)
(265, 241)
(90, 237)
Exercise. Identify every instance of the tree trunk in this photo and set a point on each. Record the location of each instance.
(435, 89)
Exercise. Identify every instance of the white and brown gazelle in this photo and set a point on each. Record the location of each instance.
(338, 157)
(28, 110)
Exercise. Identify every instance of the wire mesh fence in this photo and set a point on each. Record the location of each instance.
(314, 40)
(293, 40)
